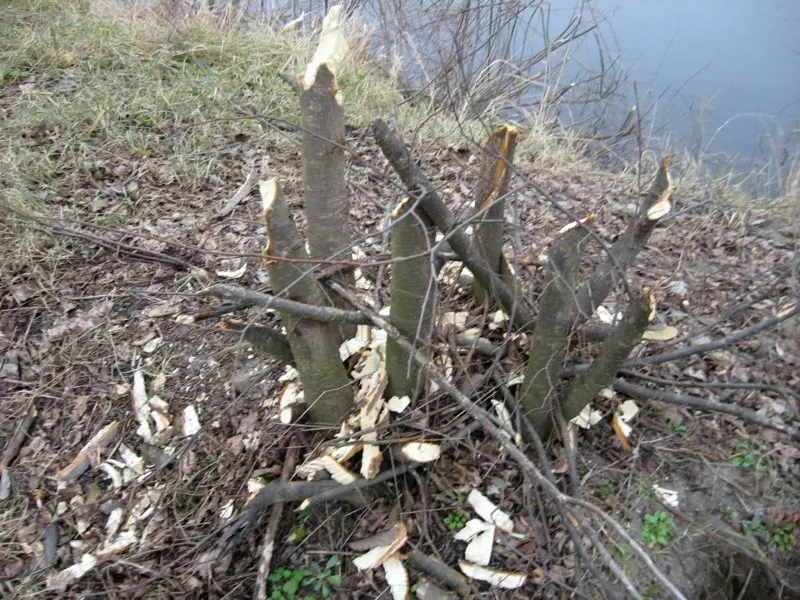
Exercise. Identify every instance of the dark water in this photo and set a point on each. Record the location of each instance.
(717, 78)
(732, 65)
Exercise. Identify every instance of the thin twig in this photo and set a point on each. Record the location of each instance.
(702, 404)
(15, 443)
(242, 193)
(728, 340)
(711, 385)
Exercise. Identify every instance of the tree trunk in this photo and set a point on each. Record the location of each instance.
(413, 292)
(420, 188)
(327, 388)
(603, 370)
(326, 199)
(490, 201)
(557, 307)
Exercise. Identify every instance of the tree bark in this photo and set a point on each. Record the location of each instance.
(623, 252)
(327, 388)
(603, 370)
(413, 293)
(326, 199)
(557, 308)
(490, 203)
(420, 189)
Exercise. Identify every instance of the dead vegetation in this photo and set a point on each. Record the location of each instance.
(112, 185)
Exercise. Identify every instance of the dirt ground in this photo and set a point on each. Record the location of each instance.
(78, 320)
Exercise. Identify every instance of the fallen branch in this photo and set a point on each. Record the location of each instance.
(268, 545)
(276, 491)
(440, 571)
(711, 385)
(119, 247)
(702, 404)
(728, 340)
(244, 298)
(242, 193)
(15, 443)
(358, 485)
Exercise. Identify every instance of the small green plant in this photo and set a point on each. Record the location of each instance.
(678, 428)
(11, 75)
(317, 582)
(456, 520)
(607, 489)
(657, 529)
(652, 591)
(390, 497)
(784, 538)
(747, 458)
(300, 525)
(286, 583)
(725, 512)
(645, 488)
(754, 528)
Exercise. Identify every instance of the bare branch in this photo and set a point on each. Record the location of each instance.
(244, 297)
(625, 249)
(728, 340)
(702, 404)
(421, 190)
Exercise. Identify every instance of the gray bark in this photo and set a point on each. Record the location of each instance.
(413, 291)
(592, 293)
(326, 386)
(420, 188)
(603, 370)
(326, 199)
(490, 201)
(557, 309)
